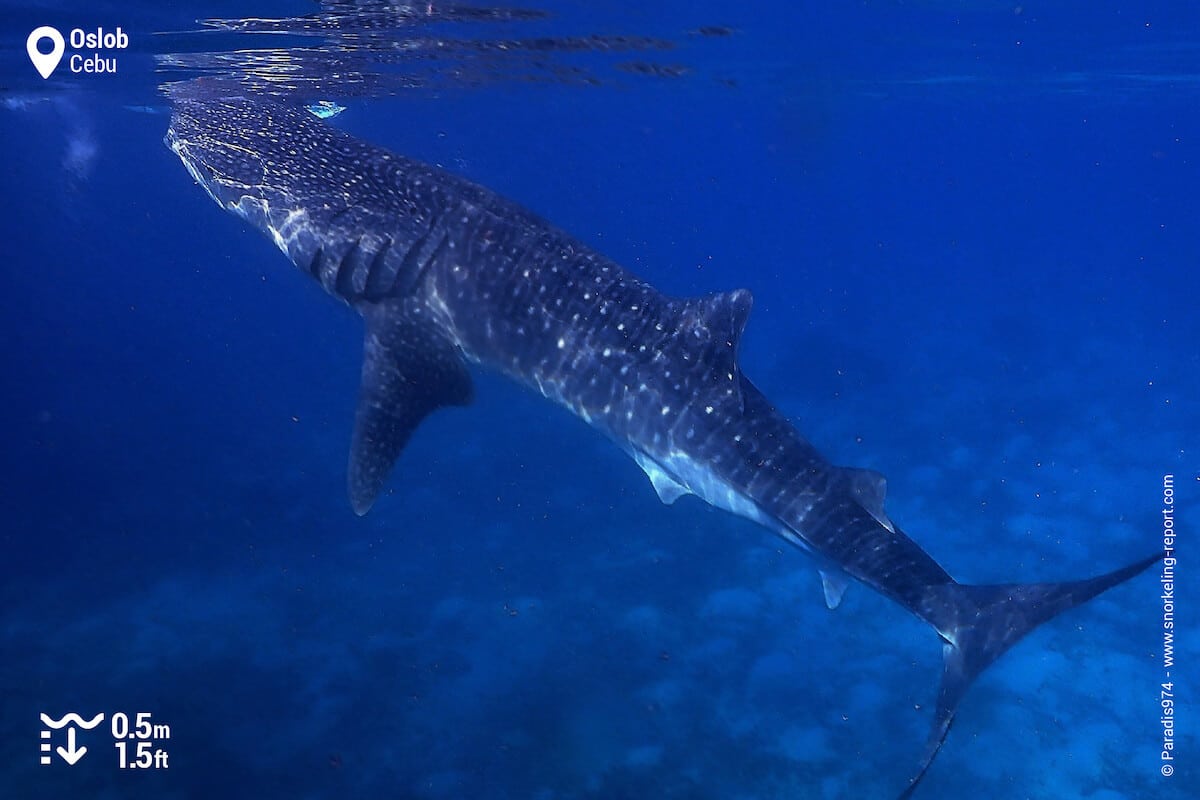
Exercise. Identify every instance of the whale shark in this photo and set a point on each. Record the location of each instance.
(447, 275)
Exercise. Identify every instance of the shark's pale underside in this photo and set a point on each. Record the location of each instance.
(446, 273)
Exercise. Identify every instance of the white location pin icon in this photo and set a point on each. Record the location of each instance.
(45, 62)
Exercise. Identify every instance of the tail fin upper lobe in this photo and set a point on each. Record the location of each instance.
(980, 623)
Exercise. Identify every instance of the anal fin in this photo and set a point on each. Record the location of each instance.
(410, 368)
(834, 584)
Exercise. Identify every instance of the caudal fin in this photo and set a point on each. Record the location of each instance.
(980, 623)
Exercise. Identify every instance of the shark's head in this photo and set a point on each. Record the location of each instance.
(333, 204)
(248, 163)
(225, 174)
(217, 156)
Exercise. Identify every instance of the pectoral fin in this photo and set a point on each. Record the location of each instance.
(410, 368)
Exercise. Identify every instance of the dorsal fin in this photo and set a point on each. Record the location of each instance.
(869, 488)
(410, 368)
(717, 319)
(710, 333)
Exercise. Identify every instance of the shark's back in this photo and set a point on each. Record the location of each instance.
(508, 288)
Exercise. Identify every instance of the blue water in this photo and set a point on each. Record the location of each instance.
(970, 231)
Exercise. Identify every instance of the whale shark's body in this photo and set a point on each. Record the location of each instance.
(444, 272)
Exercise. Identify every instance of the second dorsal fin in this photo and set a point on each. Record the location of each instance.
(869, 488)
